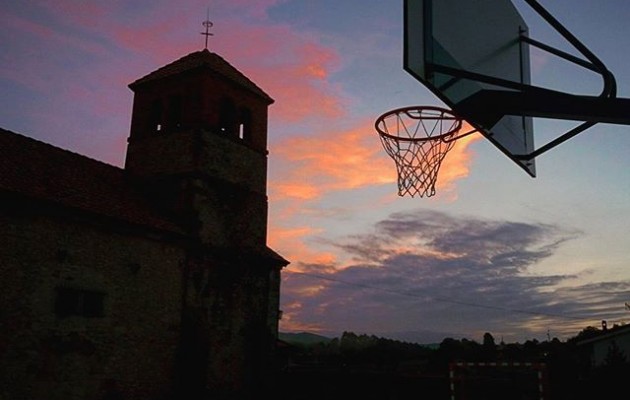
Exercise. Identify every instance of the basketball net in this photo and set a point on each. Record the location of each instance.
(417, 139)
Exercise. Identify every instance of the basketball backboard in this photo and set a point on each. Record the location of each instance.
(459, 48)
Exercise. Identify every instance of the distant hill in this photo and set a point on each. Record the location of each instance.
(303, 338)
(308, 339)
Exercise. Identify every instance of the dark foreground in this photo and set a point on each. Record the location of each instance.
(365, 385)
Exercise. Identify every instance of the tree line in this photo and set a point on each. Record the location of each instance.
(568, 367)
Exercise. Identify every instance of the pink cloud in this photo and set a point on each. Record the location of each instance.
(37, 33)
(148, 37)
(78, 11)
(293, 68)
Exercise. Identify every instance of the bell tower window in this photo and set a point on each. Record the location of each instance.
(227, 118)
(175, 111)
(155, 117)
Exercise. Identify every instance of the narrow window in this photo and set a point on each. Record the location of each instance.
(175, 111)
(155, 121)
(227, 118)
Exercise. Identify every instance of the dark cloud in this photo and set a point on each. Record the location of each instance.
(427, 271)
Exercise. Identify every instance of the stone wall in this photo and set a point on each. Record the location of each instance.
(130, 348)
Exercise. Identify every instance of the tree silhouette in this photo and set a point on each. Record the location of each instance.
(489, 347)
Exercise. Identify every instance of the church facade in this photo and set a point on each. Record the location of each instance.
(152, 281)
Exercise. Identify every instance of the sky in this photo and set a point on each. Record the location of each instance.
(494, 250)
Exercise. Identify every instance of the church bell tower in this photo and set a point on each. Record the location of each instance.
(198, 151)
(198, 142)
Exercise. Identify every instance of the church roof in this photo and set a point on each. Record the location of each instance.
(201, 59)
(39, 171)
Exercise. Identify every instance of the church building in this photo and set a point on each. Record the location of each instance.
(152, 281)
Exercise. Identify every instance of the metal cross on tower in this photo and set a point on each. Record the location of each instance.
(208, 24)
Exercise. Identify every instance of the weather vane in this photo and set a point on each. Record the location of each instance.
(208, 24)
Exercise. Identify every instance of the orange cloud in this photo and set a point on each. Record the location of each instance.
(314, 166)
(291, 241)
(456, 164)
(318, 164)
(299, 190)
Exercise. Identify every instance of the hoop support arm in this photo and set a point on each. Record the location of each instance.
(492, 105)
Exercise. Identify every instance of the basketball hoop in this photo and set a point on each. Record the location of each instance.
(417, 139)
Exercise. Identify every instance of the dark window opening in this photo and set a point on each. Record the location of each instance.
(79, 302)
(175, 111)
(155, 121)
(227, 118)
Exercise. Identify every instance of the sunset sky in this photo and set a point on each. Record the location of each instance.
(494, 251)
